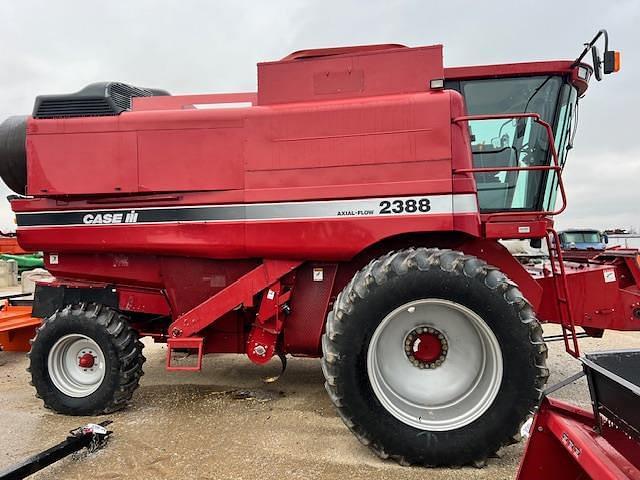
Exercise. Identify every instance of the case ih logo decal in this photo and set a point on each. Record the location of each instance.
(119, 217)
(361, 207)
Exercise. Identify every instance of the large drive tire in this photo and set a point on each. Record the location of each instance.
(433, 357)
(85, 360)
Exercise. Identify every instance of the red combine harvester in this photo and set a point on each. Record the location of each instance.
(350, 209)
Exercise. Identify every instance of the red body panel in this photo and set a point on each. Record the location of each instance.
(599, 301)
(351, 74)
(314, 240)
(385, 140)
(309, 306)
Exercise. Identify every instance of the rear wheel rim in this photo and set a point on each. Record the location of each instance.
(435, 396)
(68, 367)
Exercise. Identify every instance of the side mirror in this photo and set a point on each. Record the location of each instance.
(611, 61)
(597, 63)
(605, 238)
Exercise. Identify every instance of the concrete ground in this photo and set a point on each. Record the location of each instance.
(224, 422)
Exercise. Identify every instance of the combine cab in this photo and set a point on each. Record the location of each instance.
(350, 208)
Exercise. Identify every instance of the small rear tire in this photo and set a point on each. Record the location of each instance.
(433, 357)
(86, 360)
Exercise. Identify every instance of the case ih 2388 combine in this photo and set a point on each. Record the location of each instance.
(350, 209)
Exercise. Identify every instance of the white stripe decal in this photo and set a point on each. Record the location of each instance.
(365, 207)
(465, 204)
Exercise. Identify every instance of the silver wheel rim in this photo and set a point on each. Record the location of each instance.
(443, 397)
(66, 371)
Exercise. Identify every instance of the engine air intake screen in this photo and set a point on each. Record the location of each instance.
(96, 99)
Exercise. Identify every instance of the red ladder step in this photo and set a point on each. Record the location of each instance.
(562, 293)
(190, 344)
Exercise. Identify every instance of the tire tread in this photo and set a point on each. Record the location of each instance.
(127, 346)
(399, 263)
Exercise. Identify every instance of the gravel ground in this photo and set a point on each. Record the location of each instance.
(224, 422)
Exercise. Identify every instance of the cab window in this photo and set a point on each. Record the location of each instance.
(511, 142)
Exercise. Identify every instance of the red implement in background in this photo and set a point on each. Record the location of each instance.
(10, 245)
(564, 444)
(571, 443)
(17, 327)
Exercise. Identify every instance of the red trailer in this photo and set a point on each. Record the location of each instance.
(350, 208)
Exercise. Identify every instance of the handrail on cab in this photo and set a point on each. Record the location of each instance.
(555, 167)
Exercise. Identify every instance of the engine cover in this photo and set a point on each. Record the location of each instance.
(96, 99)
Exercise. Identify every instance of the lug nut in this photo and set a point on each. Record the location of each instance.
(410, 347)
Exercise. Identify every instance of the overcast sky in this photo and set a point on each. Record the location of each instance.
(213, 46)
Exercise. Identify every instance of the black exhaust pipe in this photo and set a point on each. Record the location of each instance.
(13, 153)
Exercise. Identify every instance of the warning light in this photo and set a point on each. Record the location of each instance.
(611, 61)
(436, 84)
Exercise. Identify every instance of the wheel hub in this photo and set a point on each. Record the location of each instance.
(86, 361)
(426, 347)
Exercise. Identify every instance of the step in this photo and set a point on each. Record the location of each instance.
(192, 344)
